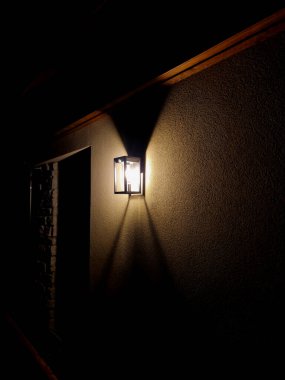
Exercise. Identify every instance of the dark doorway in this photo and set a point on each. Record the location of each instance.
(72, 266)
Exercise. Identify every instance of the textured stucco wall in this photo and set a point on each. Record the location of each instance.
(216, 174)
(209, 230)
(216, 191)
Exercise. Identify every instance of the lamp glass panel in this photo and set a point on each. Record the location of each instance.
(119, 176)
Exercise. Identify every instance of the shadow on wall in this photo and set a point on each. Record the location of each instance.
(137, 303)
(136, 271)
(136, 300)
(109, 261)
(136, 118)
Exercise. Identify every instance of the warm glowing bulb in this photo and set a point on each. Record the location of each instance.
(133, 176)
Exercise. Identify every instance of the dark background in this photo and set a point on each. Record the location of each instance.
(64, 62)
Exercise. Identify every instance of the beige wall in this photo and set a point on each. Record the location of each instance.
(209, 223)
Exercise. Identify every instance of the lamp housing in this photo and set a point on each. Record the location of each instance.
(127, 175)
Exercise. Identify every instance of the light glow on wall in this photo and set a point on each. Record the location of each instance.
(147, 172)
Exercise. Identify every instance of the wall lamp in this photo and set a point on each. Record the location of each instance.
(127, 175)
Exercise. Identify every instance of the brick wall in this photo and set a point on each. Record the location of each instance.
(44, 224)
